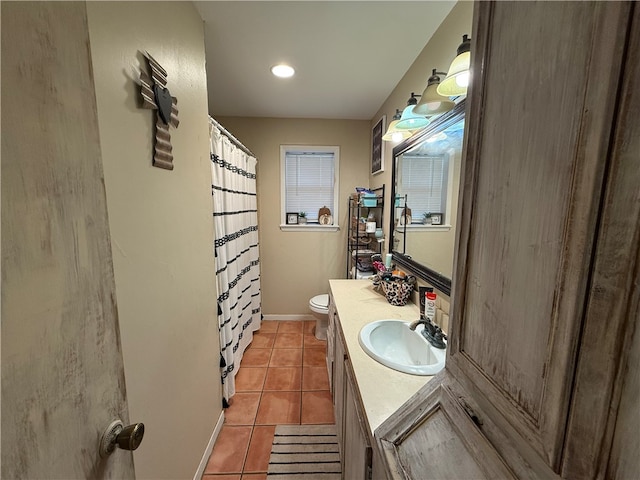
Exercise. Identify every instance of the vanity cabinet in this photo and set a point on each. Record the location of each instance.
(545, 301)
(351, 427)
(357, 450)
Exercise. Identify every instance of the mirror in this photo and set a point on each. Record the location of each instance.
(425, 183)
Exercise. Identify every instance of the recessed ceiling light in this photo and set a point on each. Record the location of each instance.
(282, 71)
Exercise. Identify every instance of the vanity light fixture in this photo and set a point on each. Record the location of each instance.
(431, 102)
(393, 134)
(410, 120)
(457, 79)
(282, 70)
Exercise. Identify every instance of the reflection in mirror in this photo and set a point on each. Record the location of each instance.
(426, 177)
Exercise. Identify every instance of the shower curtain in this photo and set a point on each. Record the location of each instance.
(236, 250)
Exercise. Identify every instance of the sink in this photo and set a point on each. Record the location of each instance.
(393, 344)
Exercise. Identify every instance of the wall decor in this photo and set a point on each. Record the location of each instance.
(436, 219)
(292, 218)
(377, 150)
(156, 95)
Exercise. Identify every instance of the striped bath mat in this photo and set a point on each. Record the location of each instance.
(305, 452)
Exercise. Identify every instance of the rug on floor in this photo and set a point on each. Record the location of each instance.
(305, 452)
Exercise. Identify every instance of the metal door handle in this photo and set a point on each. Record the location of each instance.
(117, 435)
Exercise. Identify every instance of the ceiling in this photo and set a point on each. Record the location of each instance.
(348, 55)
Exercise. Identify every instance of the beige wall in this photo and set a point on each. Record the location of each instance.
(295, 266)
(161, 230)
(438, 53)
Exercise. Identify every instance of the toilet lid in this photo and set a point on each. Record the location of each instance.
(321, 301)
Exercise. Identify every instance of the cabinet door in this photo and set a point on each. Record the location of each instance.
(331, 329)
(434, 437)
(357, 450)
(540, 109)
(339, 391)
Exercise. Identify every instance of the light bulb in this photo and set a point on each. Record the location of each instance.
(433, 105)
(396, 136)
(462, 80)
(282, 71)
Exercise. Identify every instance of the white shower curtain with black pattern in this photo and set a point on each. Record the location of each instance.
(236, 250)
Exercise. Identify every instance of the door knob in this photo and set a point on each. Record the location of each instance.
(117, 435)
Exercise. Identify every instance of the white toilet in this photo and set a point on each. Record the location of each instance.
(319, 305)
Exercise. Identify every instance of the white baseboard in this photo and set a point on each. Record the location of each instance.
(294, 317)
(209, 449)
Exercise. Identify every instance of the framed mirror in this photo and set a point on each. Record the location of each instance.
(425, 183)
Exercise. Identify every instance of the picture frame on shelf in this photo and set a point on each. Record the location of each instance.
(436, 219)
(377, 148)
(292, 218)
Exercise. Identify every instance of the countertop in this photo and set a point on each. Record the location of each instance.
(382, 389)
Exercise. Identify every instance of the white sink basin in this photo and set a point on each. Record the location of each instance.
(394, 345)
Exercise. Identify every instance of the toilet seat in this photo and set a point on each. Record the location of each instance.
(320, 304)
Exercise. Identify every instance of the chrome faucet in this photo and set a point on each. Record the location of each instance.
(432, 332)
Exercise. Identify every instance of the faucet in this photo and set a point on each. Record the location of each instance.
(432, 332)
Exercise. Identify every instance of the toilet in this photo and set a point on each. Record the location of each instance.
(319, 305)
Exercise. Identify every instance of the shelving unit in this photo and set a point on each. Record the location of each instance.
(360, 243)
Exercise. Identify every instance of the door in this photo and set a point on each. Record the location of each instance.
(357, 451)
(540, 115)
(62, 368)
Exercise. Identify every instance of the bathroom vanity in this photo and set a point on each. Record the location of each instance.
(365, 392)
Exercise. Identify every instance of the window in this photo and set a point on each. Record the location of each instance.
(424, 179)
(309, 180)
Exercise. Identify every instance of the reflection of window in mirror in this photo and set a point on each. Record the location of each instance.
(425, 174)
(424, 179)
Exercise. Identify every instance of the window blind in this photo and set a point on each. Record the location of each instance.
(309, 180)
(424, 180)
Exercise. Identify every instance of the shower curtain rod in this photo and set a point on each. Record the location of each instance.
(229, 135)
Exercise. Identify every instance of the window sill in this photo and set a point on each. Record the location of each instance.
(310, 227)
(416, 227)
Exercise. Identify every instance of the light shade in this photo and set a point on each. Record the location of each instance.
(457, 79)
(410, 120)
(431, 102)
(393, 134)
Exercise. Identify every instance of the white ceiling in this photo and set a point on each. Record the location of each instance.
(348, 55)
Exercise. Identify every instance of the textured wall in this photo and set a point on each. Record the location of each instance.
(161, 230)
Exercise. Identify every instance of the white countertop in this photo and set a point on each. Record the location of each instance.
(382, 389)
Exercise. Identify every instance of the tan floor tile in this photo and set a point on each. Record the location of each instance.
(269, 326)
(259, 449)
(310, 340)
(314, 357)
(256, 357)
(229, 451)
(315, 378)
(309, 326)
(277, 408)
(286, 357)
(288, 340)
(221, 477)
(291, 326)
(254, 476)
(250, 379)
(283, 378)
(263, 340)
(317, 408)
(243, 409)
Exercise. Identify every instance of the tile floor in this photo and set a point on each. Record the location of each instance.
(282, 380)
